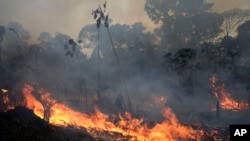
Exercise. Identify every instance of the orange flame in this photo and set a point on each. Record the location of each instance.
(31, 101)
(226, 102)
(170, 129)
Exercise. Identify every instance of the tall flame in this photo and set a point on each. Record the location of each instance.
(225, 100)
(136, 129)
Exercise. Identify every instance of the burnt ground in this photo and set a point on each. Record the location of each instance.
(23, 125)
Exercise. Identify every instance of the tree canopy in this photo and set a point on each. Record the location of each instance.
(183, 23)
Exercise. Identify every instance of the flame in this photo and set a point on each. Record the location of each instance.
(133, 128)
(31, 101)
(225, 100)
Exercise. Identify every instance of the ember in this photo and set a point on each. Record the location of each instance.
(4, 91)
(6, 100)
(159, 99)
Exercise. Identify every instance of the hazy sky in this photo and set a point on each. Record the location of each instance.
(69, 16)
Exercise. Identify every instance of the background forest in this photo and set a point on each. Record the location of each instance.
(191, 44)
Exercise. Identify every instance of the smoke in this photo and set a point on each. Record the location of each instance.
(67, 17)
(72, 79)
(220, 5)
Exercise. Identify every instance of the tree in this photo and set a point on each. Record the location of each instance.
(182, 60)
(183, 23)
(2, 32)
(233, 18)
(243, 33)
(243, 39)
(13, 60)
(182, 63)
(243, 43)
(232, 51)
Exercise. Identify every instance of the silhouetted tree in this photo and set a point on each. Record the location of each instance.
(182, 63)
(243, 36)
(183, 23)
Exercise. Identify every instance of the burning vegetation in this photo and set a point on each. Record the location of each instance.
(123, 83)
(224, 99)
(97, 123)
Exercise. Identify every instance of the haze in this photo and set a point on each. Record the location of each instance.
(69, 17)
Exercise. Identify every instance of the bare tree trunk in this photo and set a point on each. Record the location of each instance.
(218, 110)
(46, 111)
(129, 104)
(1, 54)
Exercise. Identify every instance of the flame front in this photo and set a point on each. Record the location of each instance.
(226, 102)
(134, 128)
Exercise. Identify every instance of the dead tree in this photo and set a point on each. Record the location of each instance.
(218, 110)
(100, 16)
(233, 18)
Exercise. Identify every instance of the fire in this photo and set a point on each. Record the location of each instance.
(225, 100)
(159, 99)
(133, 128)
(4, 91)
(31, 101)
(156, 100)
(6, 99)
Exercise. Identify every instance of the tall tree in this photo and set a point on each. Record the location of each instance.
(182, 63)
(243, 41)
(184, 23)
(2, 32)
(13, 60)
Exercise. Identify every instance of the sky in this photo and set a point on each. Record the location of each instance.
(69, 16)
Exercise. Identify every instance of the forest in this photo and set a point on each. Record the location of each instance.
(195, 66)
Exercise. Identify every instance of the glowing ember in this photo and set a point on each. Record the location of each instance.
(6, 100)
(60, 114)
(226, 102)
(4, 91)
(159, 99)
